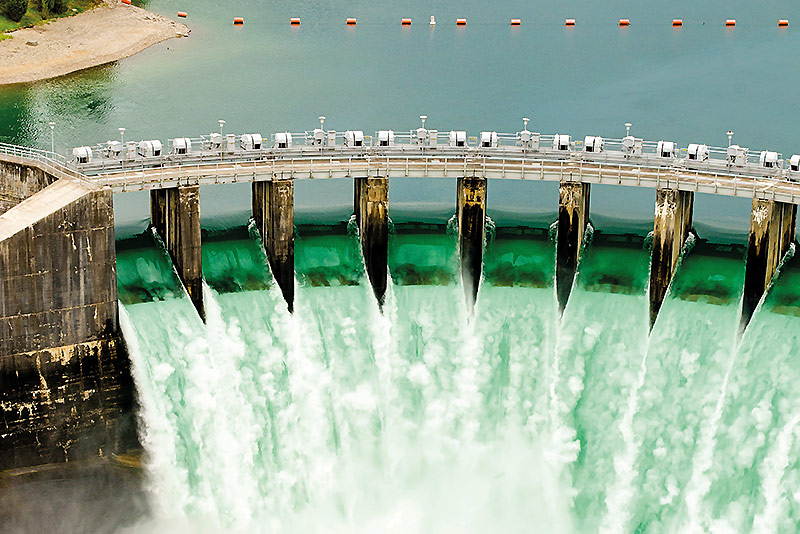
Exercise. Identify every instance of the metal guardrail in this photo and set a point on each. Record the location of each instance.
(440, 166)
(433, 155)
(48, 161)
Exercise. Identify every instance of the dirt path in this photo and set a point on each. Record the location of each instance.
(107, 33)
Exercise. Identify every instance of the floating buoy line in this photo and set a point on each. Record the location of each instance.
(461, 21)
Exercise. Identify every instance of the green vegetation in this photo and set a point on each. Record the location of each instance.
(15, 14)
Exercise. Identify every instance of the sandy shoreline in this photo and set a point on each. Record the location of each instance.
(110, 32)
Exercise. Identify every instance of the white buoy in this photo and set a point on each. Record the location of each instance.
(433, 20)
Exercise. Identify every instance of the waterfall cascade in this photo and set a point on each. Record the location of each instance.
(429, 418)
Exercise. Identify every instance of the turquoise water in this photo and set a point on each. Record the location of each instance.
(429, 418)
(691, 84)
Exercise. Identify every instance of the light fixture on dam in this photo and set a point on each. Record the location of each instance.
(422, 132)
(318, 135)
(526, 139)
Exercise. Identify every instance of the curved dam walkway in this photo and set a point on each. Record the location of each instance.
(66, 377)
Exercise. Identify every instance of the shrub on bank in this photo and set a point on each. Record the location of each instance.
(51, 7)
(14, 9)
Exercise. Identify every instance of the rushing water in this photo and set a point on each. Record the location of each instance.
(429, 418)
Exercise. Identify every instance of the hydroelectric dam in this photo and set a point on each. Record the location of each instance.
(65, 371)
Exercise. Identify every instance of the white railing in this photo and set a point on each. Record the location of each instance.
(49, 161)
(417, 164)
(413, 155)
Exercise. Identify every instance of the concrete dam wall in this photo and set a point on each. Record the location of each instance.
(65, 387)
(64, 373)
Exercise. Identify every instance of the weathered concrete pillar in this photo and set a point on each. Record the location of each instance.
(573, 218)
(471, 217)
(673, 222)
(175, 214)
(273, 212)
(371, 205)
(772, 227)
(65, 383)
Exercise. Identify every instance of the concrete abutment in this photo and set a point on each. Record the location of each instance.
(175, 215)
(471, 217)
(65, 387)
(671, 227)
(273, 212)
(573, 219)
(371, 206)
(772, 229)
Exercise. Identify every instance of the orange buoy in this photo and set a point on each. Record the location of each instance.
(624, 22)
(351, 22)
(182, 14)
(569, 22)
(730, 22)
(516, 22)
(461, 22)
(126, 2)
(294, 21)
(405, 22)
(238, 20)
(783, 22)
(677, 22)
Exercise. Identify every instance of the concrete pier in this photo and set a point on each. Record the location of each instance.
(673, 222)
(371, 206)
(64, 375)
(772, 227)
(175, 214)
(573, 218)
(471, 217)
(273, 212)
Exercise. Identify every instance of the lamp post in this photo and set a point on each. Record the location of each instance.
(52, 137)
(122, 141)
(628, 129)
(221, 141)
(730, 137)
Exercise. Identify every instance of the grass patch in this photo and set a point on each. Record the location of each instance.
(34, 17)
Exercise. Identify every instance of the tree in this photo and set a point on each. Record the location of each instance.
(14, 9)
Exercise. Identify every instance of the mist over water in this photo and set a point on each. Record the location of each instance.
(429, 418)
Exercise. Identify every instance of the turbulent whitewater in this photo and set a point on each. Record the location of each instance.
(431, 418)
